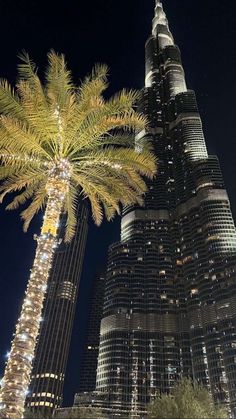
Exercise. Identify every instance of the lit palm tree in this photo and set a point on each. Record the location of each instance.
(58, 143)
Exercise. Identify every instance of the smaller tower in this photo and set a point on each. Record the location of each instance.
(90, 357)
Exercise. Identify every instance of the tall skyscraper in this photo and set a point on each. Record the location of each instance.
(52, 349)
(87, 379)
(170, 295)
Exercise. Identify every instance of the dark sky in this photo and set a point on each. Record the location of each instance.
(114, 32)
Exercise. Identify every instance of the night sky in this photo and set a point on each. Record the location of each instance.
(114, 32)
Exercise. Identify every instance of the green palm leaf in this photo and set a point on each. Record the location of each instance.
(44, 125)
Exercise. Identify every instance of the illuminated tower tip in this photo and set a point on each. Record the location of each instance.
(160, 16)
(160, 26)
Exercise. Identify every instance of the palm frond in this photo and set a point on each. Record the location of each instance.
(47, 127)
(21, 199)
(124, 100)
(92, 88)
(38, 203)
(59, 81)
(71, 207)
(110, 188)
(9, 170)
(21, 180)
(98, 196)
(96, 207)
(120, 159)
(37, 112)
(9, 101)
(27, 69)
(100, 124)
(33, 97)
(89, 101)
(13, 163)
(15, 135)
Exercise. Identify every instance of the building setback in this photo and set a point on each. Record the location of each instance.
(170, 295)
(87, 378)
(49, 366)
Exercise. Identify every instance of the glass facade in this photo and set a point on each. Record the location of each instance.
(170, 294)
(87, 378)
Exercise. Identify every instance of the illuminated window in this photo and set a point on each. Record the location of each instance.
(47, 375)
(46, 395)
(194, 291)
(67, 291)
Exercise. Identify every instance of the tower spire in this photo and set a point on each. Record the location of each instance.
(160, 26)
(160, 16)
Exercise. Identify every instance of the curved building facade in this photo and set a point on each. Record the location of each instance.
(170, 295)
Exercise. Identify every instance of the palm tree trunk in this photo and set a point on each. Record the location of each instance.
(18, 368)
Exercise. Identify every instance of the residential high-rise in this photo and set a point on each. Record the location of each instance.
(52, 349)
(170, 294)
(87, 379)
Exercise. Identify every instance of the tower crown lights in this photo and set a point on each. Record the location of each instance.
(160, 27)
(160, 16)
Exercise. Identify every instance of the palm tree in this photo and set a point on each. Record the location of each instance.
(59, 143)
